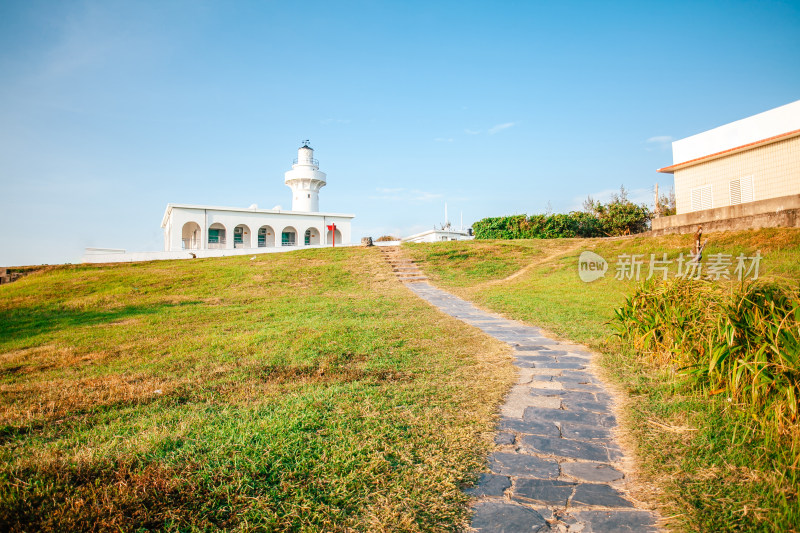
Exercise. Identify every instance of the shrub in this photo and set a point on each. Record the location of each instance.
(744, 342)
(618, 217)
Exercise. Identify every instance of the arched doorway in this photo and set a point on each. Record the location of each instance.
(241, 237)
(216, 236)
(289, 236)
(312, 236)
(329, 237)
(190, 236)
(266, 237)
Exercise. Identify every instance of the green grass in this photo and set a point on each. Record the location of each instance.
(709, 464)
(464, 263)
(295, 392)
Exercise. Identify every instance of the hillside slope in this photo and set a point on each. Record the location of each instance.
(304, 391)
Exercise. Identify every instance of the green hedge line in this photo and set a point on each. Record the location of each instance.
(538, 226)
(616, 218)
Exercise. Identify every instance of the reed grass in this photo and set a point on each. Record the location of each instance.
(742, 341)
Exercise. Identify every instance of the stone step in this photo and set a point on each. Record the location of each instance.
(404, 269)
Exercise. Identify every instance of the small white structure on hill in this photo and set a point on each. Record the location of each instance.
(203, 227)
(446, 232)
(438, 235)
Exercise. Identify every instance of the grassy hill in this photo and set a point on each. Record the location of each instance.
(703, 458)
(293, 392)
(312, 392)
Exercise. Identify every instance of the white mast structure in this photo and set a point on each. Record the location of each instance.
(305, 180)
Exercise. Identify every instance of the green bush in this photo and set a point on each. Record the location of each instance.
(619, 220)
(618, 217)
(623, 218)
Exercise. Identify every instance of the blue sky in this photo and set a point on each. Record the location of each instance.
(110, 110)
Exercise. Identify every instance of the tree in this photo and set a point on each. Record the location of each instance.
(620, 216)
(667, 204)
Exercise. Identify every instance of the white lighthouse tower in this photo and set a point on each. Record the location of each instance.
(305, 180)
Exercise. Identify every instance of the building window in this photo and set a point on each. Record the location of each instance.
(287, 238)
(702, 198)
(741, 190)
(216, 236)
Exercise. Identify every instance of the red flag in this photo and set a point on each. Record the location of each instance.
(332, 229)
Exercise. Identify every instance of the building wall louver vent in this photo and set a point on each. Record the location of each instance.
(701, 198)
(742, 190)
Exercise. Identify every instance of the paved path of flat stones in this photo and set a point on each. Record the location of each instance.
(556, 466)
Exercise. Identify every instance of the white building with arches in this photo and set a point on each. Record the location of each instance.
(203, 227)
(212, 231)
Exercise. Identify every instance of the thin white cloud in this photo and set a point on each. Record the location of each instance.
(388, 197)
(443, 139)
(389, 190)
(424, 196)
(500, 127)
(661, 142)
(472, 132)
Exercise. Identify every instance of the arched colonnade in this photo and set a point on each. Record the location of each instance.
(218, 236)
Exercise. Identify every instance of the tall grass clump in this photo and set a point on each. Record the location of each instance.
(743, 341)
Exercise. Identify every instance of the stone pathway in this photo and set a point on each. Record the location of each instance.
(403, 268)
(556, 466)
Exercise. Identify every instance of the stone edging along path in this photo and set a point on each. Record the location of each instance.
(556, 466)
